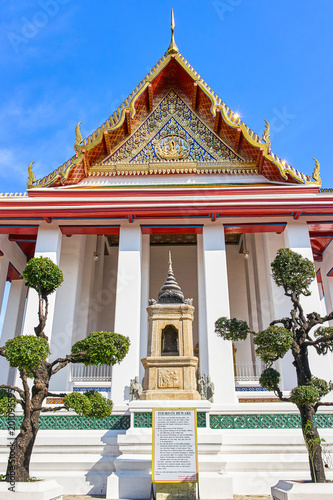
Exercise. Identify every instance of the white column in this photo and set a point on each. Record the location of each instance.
(251, 276)
(297, 239)
(144, 300)
(128, 310)
(3, 276)
(12, 322)
(87, 304)
(219, 352)
(96, 306)
(71, 264)
(325, 267)
(202, 324)
(48, 244)
(279, 306)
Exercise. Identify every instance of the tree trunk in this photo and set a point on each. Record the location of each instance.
(312, 441)
(21, 449)
(18, 467)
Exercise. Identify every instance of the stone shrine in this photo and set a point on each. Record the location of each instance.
(170, 367)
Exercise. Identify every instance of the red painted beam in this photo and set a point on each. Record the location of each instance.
(13, 273)
(320, 227)
(23, 230)
(254, 228)
(171, 229)
(321, 234)
(70, 230)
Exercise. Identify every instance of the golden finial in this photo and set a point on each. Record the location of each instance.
(173, 49)
(31, 177)
(316, 175)
(78, 136)
(265, 135)
(170, 263)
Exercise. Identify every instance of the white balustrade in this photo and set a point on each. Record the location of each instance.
(248, 370)
(82, 373)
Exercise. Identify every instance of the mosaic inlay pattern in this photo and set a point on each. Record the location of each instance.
(173, 132)
(85, 389)
(255, 388)
(275, 421)
(145, 419)
(74, 422)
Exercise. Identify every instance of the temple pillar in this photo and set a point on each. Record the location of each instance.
(128, 310)
(4, 262)
(48, 244)
(217, 353)
(144, 300)
(202, 327)
(278, 306)
(326, 268)
(12, 324)
(297, 238)
(67, 304)
(97, 259)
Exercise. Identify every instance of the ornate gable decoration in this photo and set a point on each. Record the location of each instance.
(172, 139)
(173, 132)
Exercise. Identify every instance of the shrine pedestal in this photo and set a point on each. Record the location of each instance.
(170, 377)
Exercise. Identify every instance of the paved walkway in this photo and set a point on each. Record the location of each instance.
(236, 497)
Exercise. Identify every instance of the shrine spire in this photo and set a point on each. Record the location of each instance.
(170, 292)
(173, 49)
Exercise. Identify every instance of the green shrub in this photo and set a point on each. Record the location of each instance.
(231, 329)
(78, 402)
(100, 406)
(304, 395)
(270, 379)
(292, 271)
(102, 348)
(7, 402)
(43, 275)
(273, 343)
(26, 351)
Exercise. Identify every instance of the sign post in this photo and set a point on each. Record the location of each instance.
(175, 453)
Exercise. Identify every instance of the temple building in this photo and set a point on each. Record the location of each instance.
(172, 169)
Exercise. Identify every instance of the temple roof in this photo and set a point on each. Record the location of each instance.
(173, 123)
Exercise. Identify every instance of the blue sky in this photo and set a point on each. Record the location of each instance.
(65, 61)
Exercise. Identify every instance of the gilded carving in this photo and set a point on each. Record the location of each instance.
(172, 147)
(31, 176)
(316, 172)
(169, 378)
(265, 136)
(173, 132)
(78, 137)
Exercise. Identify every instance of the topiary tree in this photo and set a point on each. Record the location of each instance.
(29, 353)
(297, 333)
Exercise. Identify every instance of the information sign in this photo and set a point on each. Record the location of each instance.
(175, 446)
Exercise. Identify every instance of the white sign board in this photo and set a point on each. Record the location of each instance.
(175, 446)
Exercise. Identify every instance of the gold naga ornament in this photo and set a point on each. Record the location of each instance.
(31, 176)
(78, 136)
(265, 135)
(316, 172)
